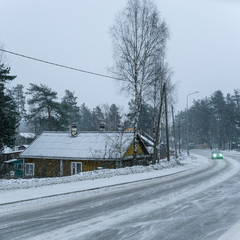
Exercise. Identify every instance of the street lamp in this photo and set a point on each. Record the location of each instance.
(187, 121)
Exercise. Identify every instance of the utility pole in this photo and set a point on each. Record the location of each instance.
(156, 143)
(166, 117)
(179, 136)
(174, 133)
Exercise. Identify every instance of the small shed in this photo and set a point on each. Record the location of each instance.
(26, 138)
(9, 162)
(15, 167)
(55, 154)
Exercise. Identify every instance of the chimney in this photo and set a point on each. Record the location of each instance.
(102, 127)
(74, 130)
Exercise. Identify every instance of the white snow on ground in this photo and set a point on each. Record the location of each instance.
(93, 175)
(23, 189)
(232, 234)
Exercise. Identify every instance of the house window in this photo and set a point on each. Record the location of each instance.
(76, 167)
(29, 169)
(19, 167)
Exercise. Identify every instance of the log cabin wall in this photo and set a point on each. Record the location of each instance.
(51, 167)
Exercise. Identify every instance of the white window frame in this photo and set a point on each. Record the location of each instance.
(74, 167)
(33, 169)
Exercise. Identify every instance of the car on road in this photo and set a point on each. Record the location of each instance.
(217, 155)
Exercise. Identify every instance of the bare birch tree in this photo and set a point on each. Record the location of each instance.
(139, 36)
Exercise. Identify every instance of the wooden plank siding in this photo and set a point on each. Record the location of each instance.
(51, 167)
(130, 150)
(45, 167)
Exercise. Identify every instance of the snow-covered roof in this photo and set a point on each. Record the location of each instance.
(27, 135)
(86, 145)
(147, 140)
(8, 150)
(11, 160)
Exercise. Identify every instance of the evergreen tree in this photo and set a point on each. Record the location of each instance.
(218, 121)
(70, 111)
(8, 113)
(45, 112)
(17, 94)
(98, 118)
(231, 121)
(236, 100)
(113, 118)
(199, 122)
(86, 122)
(145, 123)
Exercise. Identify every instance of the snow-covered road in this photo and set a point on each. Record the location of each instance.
(198, 202)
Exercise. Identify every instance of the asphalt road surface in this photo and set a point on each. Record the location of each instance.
(198, 205)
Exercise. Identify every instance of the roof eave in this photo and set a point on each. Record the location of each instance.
(68, 158)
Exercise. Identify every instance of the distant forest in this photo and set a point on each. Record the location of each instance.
(214, 121)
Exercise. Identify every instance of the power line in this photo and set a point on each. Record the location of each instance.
(60, 65)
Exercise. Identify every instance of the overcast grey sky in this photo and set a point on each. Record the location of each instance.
(203, 50)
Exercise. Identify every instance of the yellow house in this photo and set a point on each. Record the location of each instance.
(55, 154)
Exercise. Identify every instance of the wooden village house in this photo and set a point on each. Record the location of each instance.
(55, 154)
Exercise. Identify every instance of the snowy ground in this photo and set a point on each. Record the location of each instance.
(17, 190)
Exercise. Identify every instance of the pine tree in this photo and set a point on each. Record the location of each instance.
(70, 111)
(86, 123)
(98, 118)
(231, 121)
(18, 95)
(8, 113)
(199, 122)
(145, 123)
(45, 111)
(236, 100)
(218, 123)
(113, 118)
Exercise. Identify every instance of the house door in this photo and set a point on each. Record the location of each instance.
(76, 167)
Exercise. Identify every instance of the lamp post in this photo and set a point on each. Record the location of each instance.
(187, 121)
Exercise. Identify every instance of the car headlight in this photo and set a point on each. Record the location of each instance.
(214, 155)
(220, 155)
